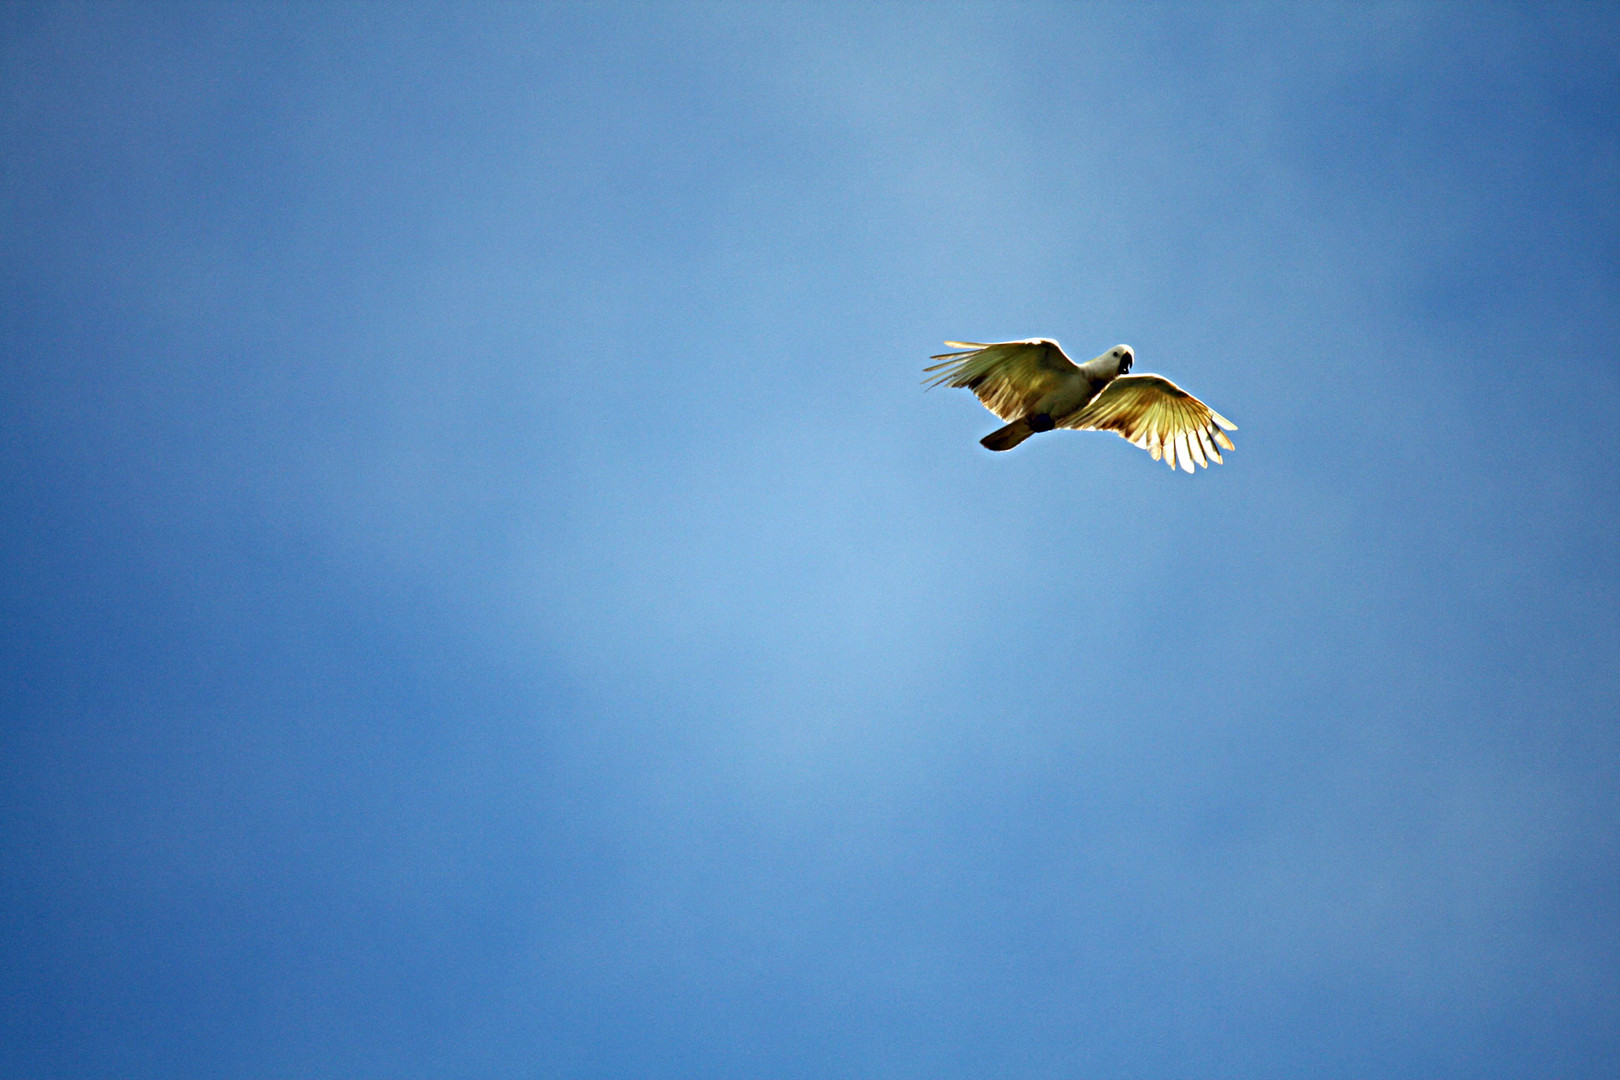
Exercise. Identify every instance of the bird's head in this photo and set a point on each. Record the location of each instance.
(1124, 355)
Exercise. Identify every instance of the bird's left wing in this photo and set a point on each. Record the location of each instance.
(1154, 413)
(1009, 376)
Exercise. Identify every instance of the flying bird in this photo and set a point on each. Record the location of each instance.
(1036, 387)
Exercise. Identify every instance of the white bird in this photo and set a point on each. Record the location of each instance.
(1036, 387)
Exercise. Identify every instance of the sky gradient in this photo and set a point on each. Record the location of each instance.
(486, 595)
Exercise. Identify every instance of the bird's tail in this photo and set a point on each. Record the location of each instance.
(1008, 437)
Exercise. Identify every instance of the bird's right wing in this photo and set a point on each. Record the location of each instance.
(1154, 413)
(1009, 376)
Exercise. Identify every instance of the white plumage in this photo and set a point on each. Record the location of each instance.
(1037, 388)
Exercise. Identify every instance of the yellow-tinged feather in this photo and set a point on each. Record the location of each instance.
(1009, 377)
(1013, 378)
(1155, 414)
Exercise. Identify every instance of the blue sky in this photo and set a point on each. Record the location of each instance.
(486, 595)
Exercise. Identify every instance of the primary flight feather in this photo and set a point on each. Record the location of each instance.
(1036, 387)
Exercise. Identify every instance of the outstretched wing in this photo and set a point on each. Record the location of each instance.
(1160, 417)
(1009, 376)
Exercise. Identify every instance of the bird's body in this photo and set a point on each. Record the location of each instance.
(1037, 388)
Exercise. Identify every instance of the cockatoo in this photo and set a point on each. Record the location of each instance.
(1036, 387)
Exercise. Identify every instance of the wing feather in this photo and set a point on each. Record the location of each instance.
(1154, 413)
(1009, 377)
(1196, 445)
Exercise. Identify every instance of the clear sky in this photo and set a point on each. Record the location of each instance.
(485, 594)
